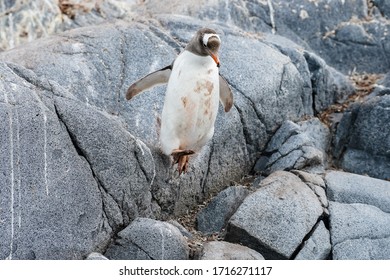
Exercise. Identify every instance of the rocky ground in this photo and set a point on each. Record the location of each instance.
(298, 169)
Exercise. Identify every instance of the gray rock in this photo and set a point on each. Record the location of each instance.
(363, 227)
(363, 249)
(214, 217)
(284, 132)
(328, 85)
(382, 87)
(350, 188)
(297, 146)
(362, 140)
(310, 178)
(26, 21)
(51, 202)
(82, 71)
(65, 114)
(383, 6)
(122, 164)
(317, 185)
(147, 239)
(347, 36)
(318, 246)
(221, 250)
(343, 36)
(182, 229)
(96, 257)
(275, 219)
(323, 85)
(110, 146)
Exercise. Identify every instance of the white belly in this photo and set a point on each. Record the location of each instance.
(191, 103)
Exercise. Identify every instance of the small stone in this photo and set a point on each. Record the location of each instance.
(214, 217)
(94, 256)
(221, 250)
(147, 239)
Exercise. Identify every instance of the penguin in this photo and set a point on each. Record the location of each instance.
(194, 88)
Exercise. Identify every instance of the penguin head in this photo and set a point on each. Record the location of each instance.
(205, 42)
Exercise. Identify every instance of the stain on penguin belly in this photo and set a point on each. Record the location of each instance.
(202, 115)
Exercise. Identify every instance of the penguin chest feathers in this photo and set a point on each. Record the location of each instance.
(191, 103)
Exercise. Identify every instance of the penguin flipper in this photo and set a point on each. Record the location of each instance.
(153, 79)
(225, 94)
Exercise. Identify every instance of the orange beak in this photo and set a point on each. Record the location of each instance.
(215, 57)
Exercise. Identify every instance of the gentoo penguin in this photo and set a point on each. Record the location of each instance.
(191, 100)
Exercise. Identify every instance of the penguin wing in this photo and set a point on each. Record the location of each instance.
(153, 79)
(225, 94)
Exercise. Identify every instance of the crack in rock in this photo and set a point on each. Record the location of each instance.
(100, 185)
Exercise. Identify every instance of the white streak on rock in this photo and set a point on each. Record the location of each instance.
(142, 145)
(162, 244)
(271, 15)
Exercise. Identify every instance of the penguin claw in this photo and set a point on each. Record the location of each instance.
(182, 164)
(181, 157)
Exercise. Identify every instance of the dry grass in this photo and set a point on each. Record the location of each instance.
(188, 221)
(69, 8)
(364, 85)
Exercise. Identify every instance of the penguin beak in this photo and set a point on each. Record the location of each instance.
(215, 57)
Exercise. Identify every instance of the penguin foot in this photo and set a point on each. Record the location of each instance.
(181, 157)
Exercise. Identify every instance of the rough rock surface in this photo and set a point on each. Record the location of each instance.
(362, 140)
(347, 34)
(359, 216)
(214, 217)
(221, 250)
(352, 188)
(359, 231)
(276, 218)
(147, 239)
(50, 198)
(80, 165)
(296, 146)
(25, 21)
(318, 246)
(317, 185)
(96, 257)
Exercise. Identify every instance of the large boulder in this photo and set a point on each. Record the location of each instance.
(276, 218)
(347, 188)
(359, 216)
(362, 140)
(359, 231)
(51, 200)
